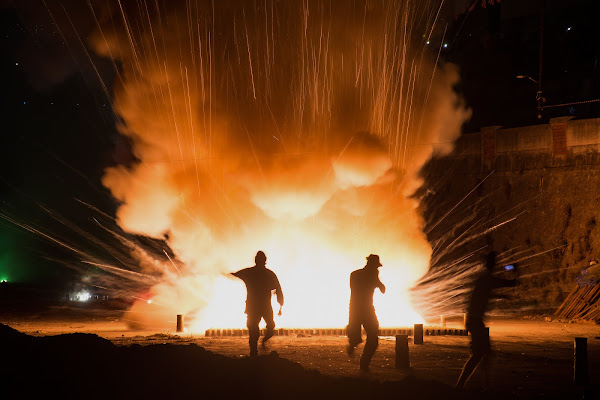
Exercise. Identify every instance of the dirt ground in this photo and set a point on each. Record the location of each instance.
(532, 358)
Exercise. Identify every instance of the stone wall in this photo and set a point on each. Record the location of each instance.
(532, 194)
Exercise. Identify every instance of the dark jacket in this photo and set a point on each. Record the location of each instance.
(484, 285)
(260, 281)
(362, 285)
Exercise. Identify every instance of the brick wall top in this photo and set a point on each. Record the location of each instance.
(581, 136)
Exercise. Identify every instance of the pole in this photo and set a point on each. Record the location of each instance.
(418, 339)
(179, 323)
(538, 95)
(402, 360)
(580, 367)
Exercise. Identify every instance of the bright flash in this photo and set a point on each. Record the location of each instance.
(330, 188)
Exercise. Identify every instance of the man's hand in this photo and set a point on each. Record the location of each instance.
(229, 275)
(382, 288)
(279, 313)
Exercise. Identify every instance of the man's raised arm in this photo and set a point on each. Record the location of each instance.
(242, 273)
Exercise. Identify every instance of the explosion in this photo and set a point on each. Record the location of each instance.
(297, 128)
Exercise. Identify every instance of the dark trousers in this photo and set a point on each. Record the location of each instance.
(480, 348)
(368, 320)
(253, 319)
(480, 337)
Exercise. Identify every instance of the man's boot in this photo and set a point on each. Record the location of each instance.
(364, 364)
(254, 349)
(268, 335)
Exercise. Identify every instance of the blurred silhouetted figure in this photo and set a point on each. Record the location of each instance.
(480, 335)
(362, 313)
(260, 282)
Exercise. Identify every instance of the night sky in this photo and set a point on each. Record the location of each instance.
(58, 136)
(59, 133)
(493, 45)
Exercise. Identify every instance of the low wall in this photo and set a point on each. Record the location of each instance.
(554, 142)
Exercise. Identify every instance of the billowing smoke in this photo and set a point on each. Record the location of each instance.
(295, 127)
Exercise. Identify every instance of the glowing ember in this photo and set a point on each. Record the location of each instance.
(277, 128)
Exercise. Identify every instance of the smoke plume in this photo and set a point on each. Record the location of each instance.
(297, 128)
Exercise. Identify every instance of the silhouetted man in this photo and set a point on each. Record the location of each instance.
(260, 282)
(480, 335)
(362, 313)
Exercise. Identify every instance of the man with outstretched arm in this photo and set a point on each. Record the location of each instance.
(260, 282)
(478, 304)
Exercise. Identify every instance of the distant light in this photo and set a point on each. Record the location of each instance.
(445, 45)
(3, 281)
(16, 63)
(52, 103)
(428, 42)
(568, 29)
(83, 296)
(150, 301)
(24, 102)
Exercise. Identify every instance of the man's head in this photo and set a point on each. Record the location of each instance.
(260, 259)
(373, 261)
(490, 260)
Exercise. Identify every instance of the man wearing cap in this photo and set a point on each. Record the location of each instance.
(260, 282)
(362, 313)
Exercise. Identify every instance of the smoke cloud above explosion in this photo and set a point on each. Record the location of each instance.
(295, 127)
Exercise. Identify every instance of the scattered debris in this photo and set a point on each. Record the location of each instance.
(581, 304)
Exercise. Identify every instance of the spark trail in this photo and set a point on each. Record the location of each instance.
(297, 128)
